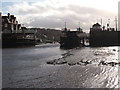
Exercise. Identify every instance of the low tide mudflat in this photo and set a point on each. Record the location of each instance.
(48, 66)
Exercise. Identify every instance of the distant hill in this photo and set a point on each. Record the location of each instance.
(47, 35)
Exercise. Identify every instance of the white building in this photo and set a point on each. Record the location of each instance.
(96, 27)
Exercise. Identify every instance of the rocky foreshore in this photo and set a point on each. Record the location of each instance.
(65, 59)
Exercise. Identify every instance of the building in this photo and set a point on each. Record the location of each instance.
(96, 26)
(103, 37)
(10, 22)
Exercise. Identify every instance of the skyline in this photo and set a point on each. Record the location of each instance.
(53, 13)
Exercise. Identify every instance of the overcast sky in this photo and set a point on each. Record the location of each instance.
(53, 13)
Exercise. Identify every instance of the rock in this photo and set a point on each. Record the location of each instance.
(79, 63)
(103, 63)
(61, 62)
(96, 54)
(86, 62)
(72, 63)
(50, 62)
(112, 63)
(114, 50)
(82, 61)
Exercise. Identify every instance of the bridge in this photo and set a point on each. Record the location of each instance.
(83, 35)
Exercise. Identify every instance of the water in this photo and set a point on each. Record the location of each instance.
(75, 68)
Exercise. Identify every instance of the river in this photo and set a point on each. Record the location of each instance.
(48, 66)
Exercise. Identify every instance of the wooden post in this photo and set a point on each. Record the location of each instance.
(83, 42)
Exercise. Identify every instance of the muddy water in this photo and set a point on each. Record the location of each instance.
(47, 66)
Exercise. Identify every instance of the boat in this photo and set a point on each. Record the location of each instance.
(70, 39)
(103, 37)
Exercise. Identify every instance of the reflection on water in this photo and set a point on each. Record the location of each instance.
(48, 66)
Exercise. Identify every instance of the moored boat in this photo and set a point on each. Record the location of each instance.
(70, 39)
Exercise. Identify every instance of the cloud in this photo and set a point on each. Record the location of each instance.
(53, 14)
(119, 16)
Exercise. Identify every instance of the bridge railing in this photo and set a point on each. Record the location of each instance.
(83, 35)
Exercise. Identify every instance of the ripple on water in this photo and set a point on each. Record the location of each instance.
(106, 78)
(88, 75)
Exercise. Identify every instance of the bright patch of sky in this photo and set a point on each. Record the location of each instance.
(110, 5)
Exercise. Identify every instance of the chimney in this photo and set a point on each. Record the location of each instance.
(8, 15)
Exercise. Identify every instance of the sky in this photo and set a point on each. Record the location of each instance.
(54, 13)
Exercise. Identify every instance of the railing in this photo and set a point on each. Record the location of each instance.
(83, 35)
(20, 31)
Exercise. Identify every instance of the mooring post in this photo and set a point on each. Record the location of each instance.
(83, 42)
